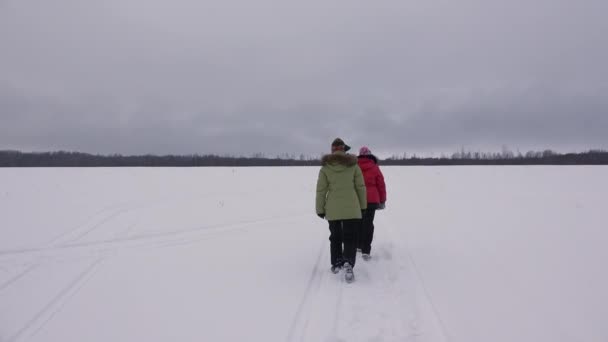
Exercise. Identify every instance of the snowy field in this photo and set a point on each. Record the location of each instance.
(462, 254)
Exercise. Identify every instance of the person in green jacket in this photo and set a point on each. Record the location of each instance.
(341, 196)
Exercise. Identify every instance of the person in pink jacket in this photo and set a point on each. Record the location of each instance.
(376, 198)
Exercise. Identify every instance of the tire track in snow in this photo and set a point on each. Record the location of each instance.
(337, 309)
(167, 243)
(56, 243)
(57, 240)
(71, 289)
(18, 276)
(150, 239)
(56, 303)
(299, 324)
(71, 240)
(91, 224)
(379, 305)
(418, 279)
(109, 218)
(71, 294)
(33, 326)
(401, 285)
(376, 307)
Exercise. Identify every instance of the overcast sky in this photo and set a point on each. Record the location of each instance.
(243, 76)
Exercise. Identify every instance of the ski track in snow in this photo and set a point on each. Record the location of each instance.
(56, 303)
(329, 310)
(146, 240)
(301, 318)
(17, 276)
(45, 283)
(38, 320)
(70, 246)
(428, 326)
(34, 257)
(382, 305)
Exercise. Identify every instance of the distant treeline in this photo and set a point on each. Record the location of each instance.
(77, 159)
(547, 157)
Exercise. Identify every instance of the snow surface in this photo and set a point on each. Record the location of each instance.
(221, 254)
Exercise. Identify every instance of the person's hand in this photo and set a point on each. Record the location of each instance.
(322, 216)
(381, 206)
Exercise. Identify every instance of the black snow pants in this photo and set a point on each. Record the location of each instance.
(366, 233)
(343, 232)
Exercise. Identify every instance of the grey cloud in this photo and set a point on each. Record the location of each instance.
(269, 76)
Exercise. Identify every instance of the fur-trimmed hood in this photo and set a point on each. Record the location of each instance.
(339, 159)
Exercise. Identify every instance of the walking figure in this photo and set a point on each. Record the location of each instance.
(340, 199)
(376, 198)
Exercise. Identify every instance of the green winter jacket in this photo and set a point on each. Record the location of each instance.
(340, 188)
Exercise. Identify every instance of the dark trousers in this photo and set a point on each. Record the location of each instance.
(366, 233)
(343, 232)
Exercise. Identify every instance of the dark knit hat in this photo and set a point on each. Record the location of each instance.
(339, 142)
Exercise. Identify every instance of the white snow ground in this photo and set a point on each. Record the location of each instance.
(220, 254)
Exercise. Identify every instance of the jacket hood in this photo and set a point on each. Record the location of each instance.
(339, 160)
(367, 161)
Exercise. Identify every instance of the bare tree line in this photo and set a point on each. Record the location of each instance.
(505, 157)
(78, 159)
(462, 157)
